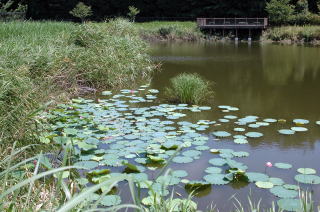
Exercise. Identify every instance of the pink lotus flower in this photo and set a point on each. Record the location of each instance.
(269, 164)
(132, 91)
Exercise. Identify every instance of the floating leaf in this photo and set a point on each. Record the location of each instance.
(290, 204)
(254, 134)
(87, 164)
(299, 129)
(281, 192)
(306, 171)
(283, 165)
(240, 141)
(270, 120)
(216, 179)
(217, 161)
(286, 132)
(106, 93)
(151, 200)
(300, 121)
(221, 134)
(181, 159)
(261, 184)
(291, 187)
(179, 173)
(240, 154)
(196, 186)
(213, 170)
(255, 176)
(318, 122)
(307, 179)
(191, 153)
(238, 129)
(276, 181)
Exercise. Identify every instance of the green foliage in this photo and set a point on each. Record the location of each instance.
(52, 60)
(133, 12)
(293, 33)
(81, 11)
(279, 11)
(190, 89)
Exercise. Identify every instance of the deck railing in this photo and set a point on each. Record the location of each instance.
(233, 22)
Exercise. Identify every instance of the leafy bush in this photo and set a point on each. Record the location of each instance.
(133, 12)
(190, 89)
(81, 11)
(279, 11)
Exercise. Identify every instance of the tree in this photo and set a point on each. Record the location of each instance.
(280, 11)
(133, 12)
(81, 11)
(313, 6)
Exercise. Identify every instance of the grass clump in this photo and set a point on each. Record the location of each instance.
(190, 89)
(294, 34)
(44, 61)
(170, 31)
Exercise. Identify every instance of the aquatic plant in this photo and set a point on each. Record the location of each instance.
(190, 89)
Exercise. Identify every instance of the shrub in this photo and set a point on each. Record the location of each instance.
(279, 11)
(81, 11)
(165, 31)
(133, 12)
(190, 89)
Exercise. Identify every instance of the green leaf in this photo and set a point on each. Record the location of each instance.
(261, 184)
(307, 179)
(299, 129)
(213, 170)
(291, 187)
(217, 161)
(110, 200)
(300, 121)
(84, 146)
(283, 165)
(181, 159)
(221, 134)
(179, 173)
(286, 132)
(276, 181)
(281, 192)
(290, 204)
(216, 179)
(306, 171)
(254, 134)
(255, 176)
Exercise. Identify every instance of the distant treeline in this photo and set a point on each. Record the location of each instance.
(102, 9)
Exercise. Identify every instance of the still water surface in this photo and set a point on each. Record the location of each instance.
(266, 80)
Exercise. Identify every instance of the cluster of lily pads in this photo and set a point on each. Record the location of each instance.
(129, 134)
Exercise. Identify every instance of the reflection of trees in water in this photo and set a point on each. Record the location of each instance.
(284, 64)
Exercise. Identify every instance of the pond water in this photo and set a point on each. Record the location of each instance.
(262, 88)
(265, 80)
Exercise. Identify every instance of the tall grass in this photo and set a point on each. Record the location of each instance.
(43, 61)
(170, 31)
(190, 89)
(295, 34)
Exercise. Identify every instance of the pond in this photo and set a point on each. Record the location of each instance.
(265, 80)
(260, 91)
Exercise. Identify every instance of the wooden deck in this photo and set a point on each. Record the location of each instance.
(232, 23)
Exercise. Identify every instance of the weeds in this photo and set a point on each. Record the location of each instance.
(43, 61)
(190, 89)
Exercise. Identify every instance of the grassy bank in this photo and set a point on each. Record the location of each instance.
(293, 34)
(44, 61)
(170, 31)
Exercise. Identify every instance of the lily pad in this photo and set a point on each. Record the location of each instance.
(307, 179)
(182, 159)
(300, 121)
(254, 134)
(299, 129)
(213, 170)
(281, 192)
(255, 176)
(261, 184)
(318, 122)
(216, 179)
(239, 129)
(286, 132)
(276, 181)
(240, 154)
(179, 173)
(306, 171)
(87, 164)
(217, 161)
(283, 165)
(240, 141)
(291, 187)
(221, 134)
(290, 204)
(269, 120)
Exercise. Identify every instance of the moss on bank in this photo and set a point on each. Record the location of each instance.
(43, 61)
